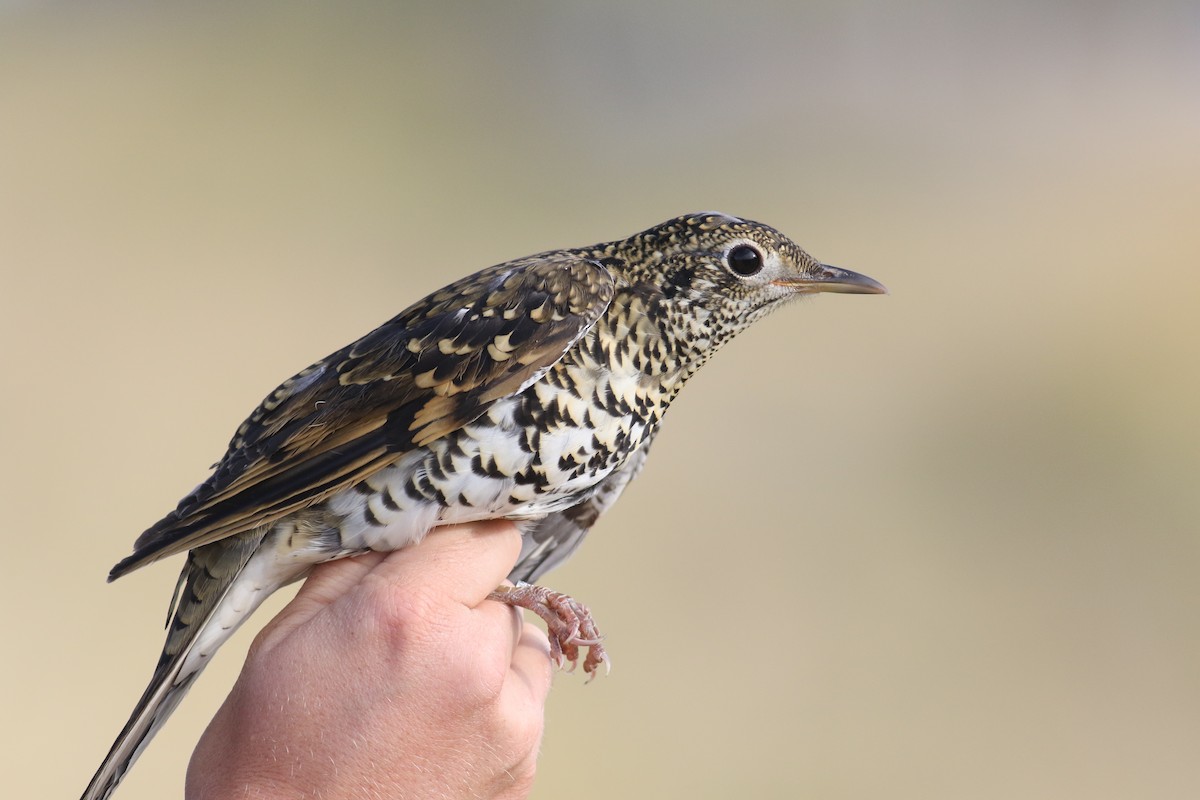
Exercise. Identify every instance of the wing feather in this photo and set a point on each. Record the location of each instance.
(433, 368)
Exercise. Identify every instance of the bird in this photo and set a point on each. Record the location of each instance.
(529, 391)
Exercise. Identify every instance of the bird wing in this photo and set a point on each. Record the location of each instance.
(433, 368)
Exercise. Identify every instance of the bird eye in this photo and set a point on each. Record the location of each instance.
(744, 260)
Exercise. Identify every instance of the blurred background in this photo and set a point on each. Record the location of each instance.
(940, 544)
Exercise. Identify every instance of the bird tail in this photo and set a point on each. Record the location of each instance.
(205, 611)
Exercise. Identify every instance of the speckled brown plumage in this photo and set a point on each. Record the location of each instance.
(529, 391)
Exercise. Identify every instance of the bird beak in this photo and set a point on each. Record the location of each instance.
(825, 278)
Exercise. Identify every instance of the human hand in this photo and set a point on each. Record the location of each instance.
(389, 675)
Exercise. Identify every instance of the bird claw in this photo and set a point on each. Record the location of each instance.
(569, 626)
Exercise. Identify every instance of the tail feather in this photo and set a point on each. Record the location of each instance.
(210, 607)
(152, 710)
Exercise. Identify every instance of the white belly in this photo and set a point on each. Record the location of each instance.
(465, 478)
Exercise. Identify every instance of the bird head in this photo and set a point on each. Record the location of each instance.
(722, 273)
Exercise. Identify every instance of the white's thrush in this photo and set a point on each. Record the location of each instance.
(528, 391)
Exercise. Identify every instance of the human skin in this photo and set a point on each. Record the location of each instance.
(389, 675)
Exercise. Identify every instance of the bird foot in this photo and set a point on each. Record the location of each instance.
(569, 625)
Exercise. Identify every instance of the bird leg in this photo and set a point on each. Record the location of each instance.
(569, 624)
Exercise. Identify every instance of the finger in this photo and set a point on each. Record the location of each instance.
(500, 624)
(325, 584)
(530, 675)
(462, 562)
(331, 580)
(531, 662)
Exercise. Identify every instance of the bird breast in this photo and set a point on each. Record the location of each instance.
(531, 454)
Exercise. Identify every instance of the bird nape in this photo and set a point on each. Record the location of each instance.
(529, 391)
